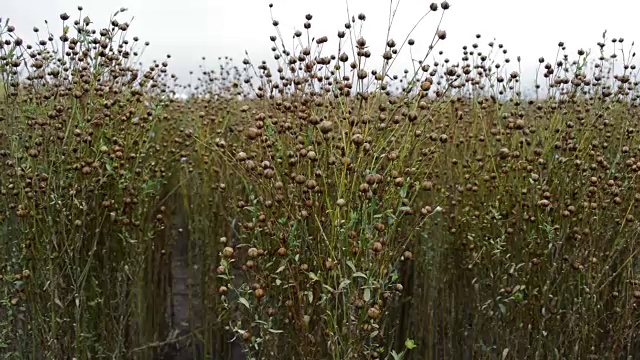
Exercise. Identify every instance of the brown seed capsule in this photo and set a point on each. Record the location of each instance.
(326, 127)
(227, 252)
(329, 264)
(311, 184)
(427, 185)
(259, 293)
(379, 227)
(357, 139)
(544, 203)
(246, 336)
(222, 290)
(282, 251)
(253, 133)
(252, 252)
(373, 313)
(377, 247)
(312, 155)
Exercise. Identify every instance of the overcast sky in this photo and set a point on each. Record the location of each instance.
(190, 29)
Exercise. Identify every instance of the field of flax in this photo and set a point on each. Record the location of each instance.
(316, 208)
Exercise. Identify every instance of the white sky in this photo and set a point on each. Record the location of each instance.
(190, 29)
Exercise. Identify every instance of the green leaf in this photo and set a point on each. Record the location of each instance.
(359, 274)
(343, 284)
(367, 294)
(503, 309)
(405, 189)
(328, 288)
(309, 139)
(350, 264)
(410, 344)
(270, 129)
(519, 297)
(244, 302)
